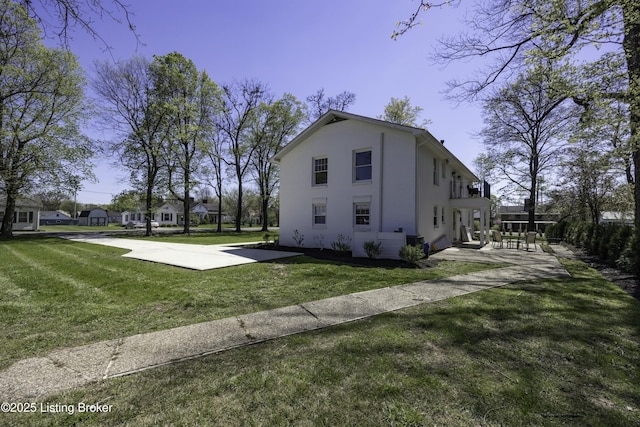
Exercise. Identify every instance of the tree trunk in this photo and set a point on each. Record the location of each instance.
(6, 230)
(219, 229)
(148, 206)
(631, 11)
(265, 213)
(239, 208)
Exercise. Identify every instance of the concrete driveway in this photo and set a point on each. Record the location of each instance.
(195, 257)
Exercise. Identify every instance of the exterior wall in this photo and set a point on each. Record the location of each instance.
(390, 192)
(201, 211)
(166, 215)
(56, 218)
(26, 219)
(434, 195)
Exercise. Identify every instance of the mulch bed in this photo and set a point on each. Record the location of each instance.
(346, 258)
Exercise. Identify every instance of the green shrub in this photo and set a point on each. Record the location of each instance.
(411, 254)
(373, 249)
(342, 245)
(618, 243)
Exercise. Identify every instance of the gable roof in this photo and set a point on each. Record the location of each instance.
(422, 136)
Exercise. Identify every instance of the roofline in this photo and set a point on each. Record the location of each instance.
(331, 115)
(422, 136)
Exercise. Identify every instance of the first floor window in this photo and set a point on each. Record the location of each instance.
(442, 216)
(167, 216)
(362, 213)
(23, 216)
(319, 214)
(435, 217)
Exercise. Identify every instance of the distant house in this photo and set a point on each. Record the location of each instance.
(620, 218)
(114, 217)
(27, 213)
(212, 211)
(516, 218)
(93, 217)
(370, 180)
(135, 216)
(201, 210)
(56, 218)
(168, 213)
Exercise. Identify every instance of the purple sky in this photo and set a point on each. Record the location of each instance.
(298, 47)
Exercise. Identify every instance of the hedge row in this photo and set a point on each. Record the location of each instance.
(615, 245)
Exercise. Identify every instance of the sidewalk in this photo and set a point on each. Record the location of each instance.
(65, 369)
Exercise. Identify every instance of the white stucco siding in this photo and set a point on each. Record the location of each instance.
(432, 195)
(337, 143)
(399, 187)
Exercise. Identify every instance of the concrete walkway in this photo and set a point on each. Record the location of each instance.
(65, 369)
(195, 257)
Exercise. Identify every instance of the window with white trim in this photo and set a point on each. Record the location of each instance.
(319, 215)
(435, 217)
(362, 170)
(167, 216)
(362, 213)
(320, 171)
(436, 177)
(442, 216)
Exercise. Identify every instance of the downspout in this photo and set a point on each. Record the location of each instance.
(381, 190)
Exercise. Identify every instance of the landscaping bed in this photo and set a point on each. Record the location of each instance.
(345, 257)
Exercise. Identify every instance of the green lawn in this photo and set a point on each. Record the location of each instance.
(556, 352)
(56, 293)
(213, 238)
(76, 228)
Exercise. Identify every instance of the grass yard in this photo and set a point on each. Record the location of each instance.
(213, 238)
(77, 228)
(55, 293)
(556, 352)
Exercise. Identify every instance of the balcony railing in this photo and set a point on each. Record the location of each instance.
(461, 189)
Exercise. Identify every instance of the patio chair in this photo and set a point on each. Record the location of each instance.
(497, 238)
(531, 239)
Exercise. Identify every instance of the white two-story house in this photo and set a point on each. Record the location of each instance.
(371, 180)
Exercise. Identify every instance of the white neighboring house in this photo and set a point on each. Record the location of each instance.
(27, 213)
(200, 209)
(165, 214)
(368, 179)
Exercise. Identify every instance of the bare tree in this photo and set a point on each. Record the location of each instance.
(61, 17)
(525, 131)
(215, 152)
(125, 90)
(514, 33)
(239, 112)
(319, 104)
(275, 125)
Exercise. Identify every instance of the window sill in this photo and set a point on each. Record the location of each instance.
(363, 182)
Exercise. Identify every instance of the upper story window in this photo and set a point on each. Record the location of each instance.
(436, 176)
(362, 166)
(320, 171)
